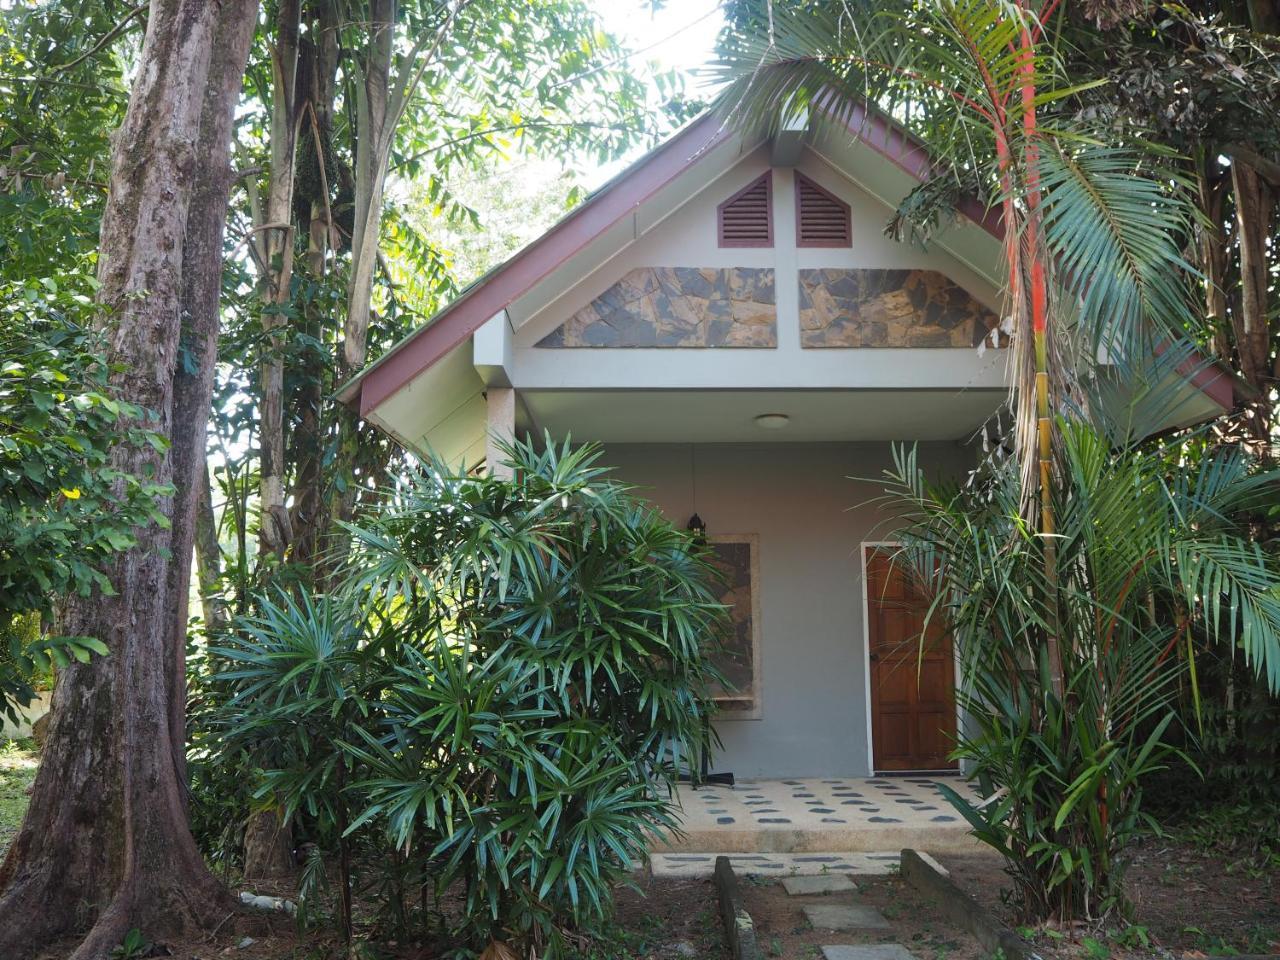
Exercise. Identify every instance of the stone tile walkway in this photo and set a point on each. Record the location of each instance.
(868, 951)
(834, 814)
(846, 916)
(821, 883)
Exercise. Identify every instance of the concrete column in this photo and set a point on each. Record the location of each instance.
(500, 424)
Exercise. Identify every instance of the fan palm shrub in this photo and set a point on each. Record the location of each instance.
(1153, 565)
(497, 700)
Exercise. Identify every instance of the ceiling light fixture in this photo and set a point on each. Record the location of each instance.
(772, 421)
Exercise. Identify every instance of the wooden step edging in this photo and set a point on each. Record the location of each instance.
(960, 908)
(739, 931)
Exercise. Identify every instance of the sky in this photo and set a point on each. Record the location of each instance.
(679, 36)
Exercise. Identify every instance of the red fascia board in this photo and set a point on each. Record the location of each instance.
(904, 150)
(468, 313)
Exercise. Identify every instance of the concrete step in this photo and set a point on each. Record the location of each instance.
(702, 864)
(750, 838)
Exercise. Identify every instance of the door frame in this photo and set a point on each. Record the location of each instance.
(866, 659)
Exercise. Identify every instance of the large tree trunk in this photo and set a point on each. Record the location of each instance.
(105, 845)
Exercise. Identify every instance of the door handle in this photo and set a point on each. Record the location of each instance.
(874, 657)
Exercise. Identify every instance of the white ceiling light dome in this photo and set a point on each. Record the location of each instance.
(772, 421)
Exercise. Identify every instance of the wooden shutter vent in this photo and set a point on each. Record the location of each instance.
(746, 218)
(822, 219)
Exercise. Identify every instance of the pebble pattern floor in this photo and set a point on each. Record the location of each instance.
(822, 804)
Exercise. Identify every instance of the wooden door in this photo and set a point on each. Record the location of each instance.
(913, 712)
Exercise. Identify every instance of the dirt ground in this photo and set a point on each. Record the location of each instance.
(783, 932)
(1187, 903)
(665, 919)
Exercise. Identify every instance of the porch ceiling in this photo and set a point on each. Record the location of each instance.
(728, 416)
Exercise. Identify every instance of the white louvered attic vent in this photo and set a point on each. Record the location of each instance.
(746, 218)
(822, 218)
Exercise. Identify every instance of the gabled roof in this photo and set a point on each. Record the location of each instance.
(689, 147)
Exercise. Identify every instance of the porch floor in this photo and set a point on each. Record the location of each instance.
(831, 815)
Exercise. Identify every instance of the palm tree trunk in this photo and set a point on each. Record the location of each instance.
(1038, 255)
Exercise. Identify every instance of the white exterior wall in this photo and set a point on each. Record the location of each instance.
(811, 520)
(687, 238)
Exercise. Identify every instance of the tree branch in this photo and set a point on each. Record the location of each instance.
(110, 35)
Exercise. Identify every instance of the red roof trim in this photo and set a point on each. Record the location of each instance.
(466, 314)
(898, 145)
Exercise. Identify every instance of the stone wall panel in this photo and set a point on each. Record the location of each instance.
(677, 307)
(888, 308)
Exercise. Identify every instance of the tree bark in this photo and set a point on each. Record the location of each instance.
(1254, 205)
(276, 254)
(209, 558)
(105, 845)
(309, 513)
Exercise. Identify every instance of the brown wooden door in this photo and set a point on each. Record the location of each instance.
(913, 712)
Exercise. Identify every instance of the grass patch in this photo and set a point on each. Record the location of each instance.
(18, 762)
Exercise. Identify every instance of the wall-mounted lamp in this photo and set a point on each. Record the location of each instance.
(698, 528)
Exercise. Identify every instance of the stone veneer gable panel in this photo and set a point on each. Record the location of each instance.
(888, 308)
(677, 307)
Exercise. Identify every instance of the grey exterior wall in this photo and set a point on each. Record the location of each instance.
(811, 520)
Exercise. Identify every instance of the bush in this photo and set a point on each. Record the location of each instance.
(63, 511)
(498, 698)
(1152, 568)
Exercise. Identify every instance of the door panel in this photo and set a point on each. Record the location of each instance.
(913, 714)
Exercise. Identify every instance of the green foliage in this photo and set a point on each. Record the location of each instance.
(18, 763)
(501, 84)
(1116, 215)
(134, 945)
(1153, 567)
(63, 511)
(499, 696)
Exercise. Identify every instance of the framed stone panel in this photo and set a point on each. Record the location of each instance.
(737, 556)
(677, 307)
(889, 308)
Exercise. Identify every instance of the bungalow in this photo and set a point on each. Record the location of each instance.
(731, 321)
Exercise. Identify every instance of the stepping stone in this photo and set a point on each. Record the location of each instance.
(774, 820)
(843, 916)
(869, 951)
(822, 883)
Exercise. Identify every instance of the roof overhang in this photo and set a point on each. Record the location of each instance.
(865, 145)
